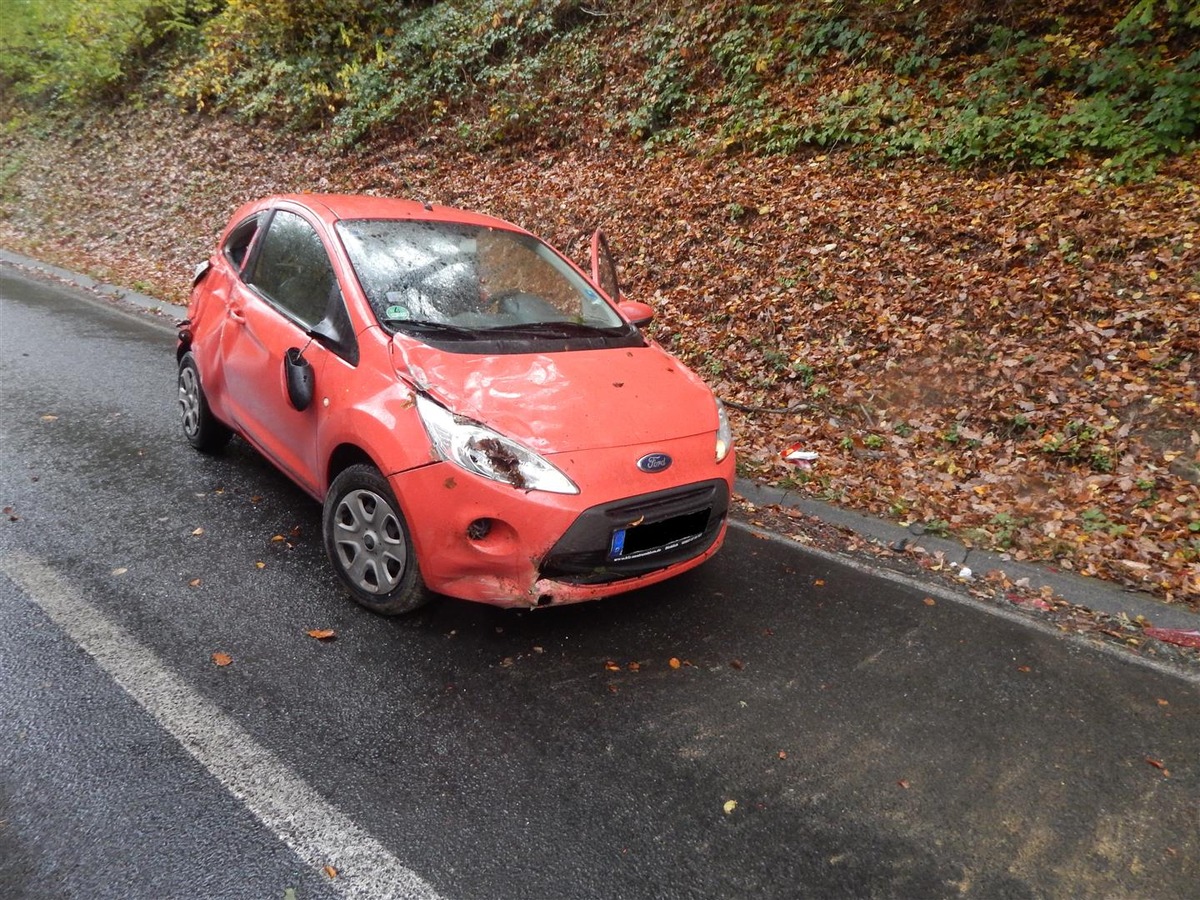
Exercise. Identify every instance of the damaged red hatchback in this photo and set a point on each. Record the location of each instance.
(479, 418)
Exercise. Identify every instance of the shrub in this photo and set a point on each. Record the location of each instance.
(75, 52)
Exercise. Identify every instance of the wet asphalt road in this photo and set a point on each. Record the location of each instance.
(875, 745)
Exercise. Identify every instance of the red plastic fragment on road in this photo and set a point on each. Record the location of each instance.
(1030, 602)
(1174, 636)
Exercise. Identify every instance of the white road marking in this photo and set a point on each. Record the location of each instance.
(315, 830)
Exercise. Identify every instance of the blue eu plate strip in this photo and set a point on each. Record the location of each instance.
(618, 544)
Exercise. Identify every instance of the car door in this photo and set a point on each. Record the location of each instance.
(288, 287)
(604, 267)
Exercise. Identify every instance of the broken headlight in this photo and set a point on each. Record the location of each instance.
(487, 453)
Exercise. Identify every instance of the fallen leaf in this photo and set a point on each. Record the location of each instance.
(929, 601)
(330, 871)
(1157, 763)
(506, 663)
(221, 659)
(198, 532)
(612, 666)
(195, 582)
(49, 418)
(120, 571)
(674, 662)
(820, 582)
(1174, 636)
(783, 754)
(737, 664)
(260, 565)
(903, 783)
(1023, 669)
(730, 806)
(634, 667)
(322, 634)
(1162, 702)
(277, 538)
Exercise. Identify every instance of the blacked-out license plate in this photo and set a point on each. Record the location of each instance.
(658, 537)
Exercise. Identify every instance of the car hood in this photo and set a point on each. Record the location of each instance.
(574, 400)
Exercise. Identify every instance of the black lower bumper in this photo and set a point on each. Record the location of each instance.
(636, 535)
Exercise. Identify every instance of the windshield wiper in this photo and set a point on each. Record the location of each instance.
(556, 329)
(440, 329)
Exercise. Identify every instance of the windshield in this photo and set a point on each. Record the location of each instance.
(447, 283)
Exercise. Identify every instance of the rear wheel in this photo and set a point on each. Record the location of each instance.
(368, 543)
(200, 426)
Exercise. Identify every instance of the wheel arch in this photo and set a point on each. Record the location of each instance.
(386, 435)
(344, 456)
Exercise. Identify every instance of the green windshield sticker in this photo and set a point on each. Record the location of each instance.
(396, 312)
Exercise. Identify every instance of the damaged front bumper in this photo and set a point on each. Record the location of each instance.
(487, 541)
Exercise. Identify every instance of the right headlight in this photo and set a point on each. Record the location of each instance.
(724, 432)
(487, 453)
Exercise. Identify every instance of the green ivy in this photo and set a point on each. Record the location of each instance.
(707, 74)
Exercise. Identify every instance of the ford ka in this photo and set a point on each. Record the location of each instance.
(478, 417)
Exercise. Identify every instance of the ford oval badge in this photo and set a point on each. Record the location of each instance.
(654, 462)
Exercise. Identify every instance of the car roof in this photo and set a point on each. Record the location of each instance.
(333, 207)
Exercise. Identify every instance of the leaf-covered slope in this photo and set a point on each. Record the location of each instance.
(1011, 357)
(1007, 353)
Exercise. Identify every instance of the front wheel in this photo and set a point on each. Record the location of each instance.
(200, 426)
(368, 543)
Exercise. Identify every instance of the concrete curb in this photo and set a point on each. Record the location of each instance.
(1092, 593)
(125, 295)
(1101, 596)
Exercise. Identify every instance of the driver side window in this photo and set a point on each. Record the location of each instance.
(293, 269)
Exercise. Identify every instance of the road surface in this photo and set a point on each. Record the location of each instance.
(827, 732)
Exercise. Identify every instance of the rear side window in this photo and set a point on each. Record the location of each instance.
(293, 269)
(239, 241)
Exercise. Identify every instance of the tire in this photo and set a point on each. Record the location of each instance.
(201, 428)
(368, 542)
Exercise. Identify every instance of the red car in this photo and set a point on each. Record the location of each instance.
(479, 418)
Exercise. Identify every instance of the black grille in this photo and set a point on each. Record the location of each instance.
(655, 530)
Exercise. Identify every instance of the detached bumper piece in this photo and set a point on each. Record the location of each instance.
(636, 535)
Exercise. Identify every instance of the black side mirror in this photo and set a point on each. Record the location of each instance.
(298, 373)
